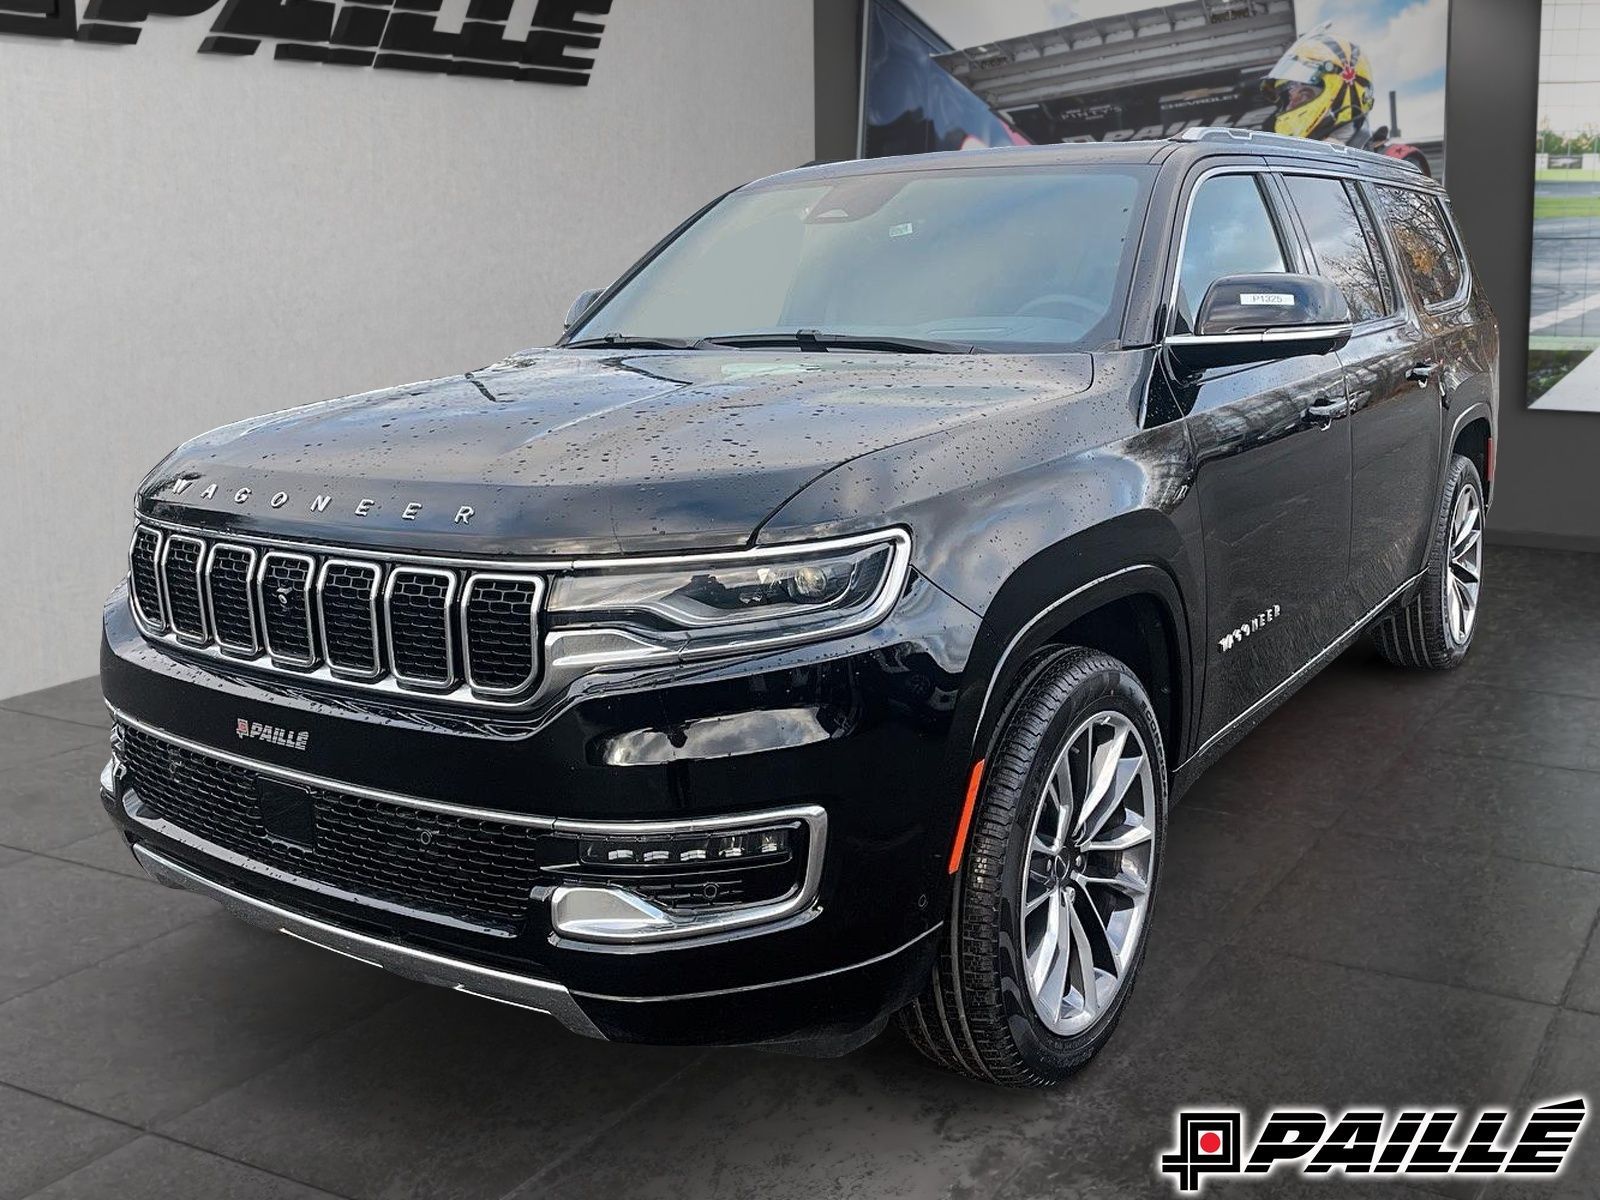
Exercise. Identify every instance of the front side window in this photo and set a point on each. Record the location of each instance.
(1339, 242)
(1230, 232)
(1006, 258)
(1423, 238)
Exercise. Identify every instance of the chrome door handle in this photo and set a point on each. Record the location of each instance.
(1423, 372)
(1325, 409)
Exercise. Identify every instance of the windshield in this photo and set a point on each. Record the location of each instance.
(1015, 258)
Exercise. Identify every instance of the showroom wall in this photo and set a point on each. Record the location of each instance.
(189, 238)
(1546, 495)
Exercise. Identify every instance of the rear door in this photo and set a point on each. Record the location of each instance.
(1394, 418)
(1272, 451)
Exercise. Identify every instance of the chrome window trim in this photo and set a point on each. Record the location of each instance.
(1402, 268)
(188, 639)
(534, 642)
(254, 649)
(376, 592)
(141, 618)
(414, 682)
(278, 659)
(1332, 170)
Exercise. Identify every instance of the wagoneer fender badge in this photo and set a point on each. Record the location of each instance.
(273, 734)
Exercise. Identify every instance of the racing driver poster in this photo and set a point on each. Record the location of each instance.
(956, 74)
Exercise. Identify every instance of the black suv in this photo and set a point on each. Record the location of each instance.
(819, 633)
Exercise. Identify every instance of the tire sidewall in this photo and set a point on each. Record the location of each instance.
(1109, 689)
(1463, 474)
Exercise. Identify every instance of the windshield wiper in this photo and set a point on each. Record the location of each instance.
(629, 341)
(813, 339)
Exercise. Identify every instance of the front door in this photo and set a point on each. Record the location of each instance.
(1272, 452)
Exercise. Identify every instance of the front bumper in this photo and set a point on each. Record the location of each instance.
(821, 978)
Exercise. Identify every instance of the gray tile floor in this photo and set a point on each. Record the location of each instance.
(1387, 894)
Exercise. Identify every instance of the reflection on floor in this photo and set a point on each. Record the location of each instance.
(1387, 894)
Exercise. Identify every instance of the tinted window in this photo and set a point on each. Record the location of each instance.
(1419, 231)
(1231, 232)
(994, 257)
(1380, 257)
(1339, 242)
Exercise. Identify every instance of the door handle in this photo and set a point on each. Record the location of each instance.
(1423, 372)
(1325, 409)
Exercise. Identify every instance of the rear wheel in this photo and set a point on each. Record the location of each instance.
(1435, 630)
(1052, 904)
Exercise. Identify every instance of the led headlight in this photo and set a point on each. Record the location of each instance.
(724, 603)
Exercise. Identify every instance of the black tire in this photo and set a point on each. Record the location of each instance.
(1421, 633)
(976, 1014)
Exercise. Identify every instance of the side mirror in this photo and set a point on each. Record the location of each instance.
(581, 305)
(1381, 133)
(1258, 318)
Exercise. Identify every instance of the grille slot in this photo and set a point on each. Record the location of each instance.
(462, 635)
(230, 572)
(348, 595)
(464, 868)
(500, 614)
(181, 563)
(144, 575)
(283, 590)
(417, 612)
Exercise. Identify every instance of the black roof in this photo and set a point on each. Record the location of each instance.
(1194, 144)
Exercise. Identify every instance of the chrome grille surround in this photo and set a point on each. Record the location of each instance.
(228, 599)
(491, 676)
(561, 653)
(362, 657)
(419, 608)
(283, 597)
(335, 624)
(144, 577)
(182, 567)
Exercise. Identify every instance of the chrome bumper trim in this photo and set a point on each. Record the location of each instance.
(523, 991)
(776, 983)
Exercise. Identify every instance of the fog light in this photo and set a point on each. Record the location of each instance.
(669, 852)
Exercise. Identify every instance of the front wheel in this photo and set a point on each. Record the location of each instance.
(1435, 630)
(1051, 906)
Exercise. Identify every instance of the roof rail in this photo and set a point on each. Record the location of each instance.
(1225, 133)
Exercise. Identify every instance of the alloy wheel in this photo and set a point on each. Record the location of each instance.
(1091, 860)
(1462, 580)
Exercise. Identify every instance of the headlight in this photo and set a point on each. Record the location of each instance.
(725, 603)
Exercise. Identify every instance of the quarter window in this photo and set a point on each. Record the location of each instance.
(1339, 242)
(1423, 238)
(1231, 232)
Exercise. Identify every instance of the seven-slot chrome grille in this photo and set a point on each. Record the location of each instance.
(452, 632)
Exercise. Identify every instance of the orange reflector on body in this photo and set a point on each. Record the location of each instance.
(966, 816)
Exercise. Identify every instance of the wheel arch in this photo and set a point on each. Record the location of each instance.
(1137, 614)
(1472, 435)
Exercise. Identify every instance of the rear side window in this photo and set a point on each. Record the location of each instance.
(1339, 241)
(1231, 232)
(1423, 239)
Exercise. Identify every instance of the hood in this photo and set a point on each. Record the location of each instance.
(583, 452)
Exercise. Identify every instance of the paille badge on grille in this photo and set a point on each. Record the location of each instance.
(272, 733)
